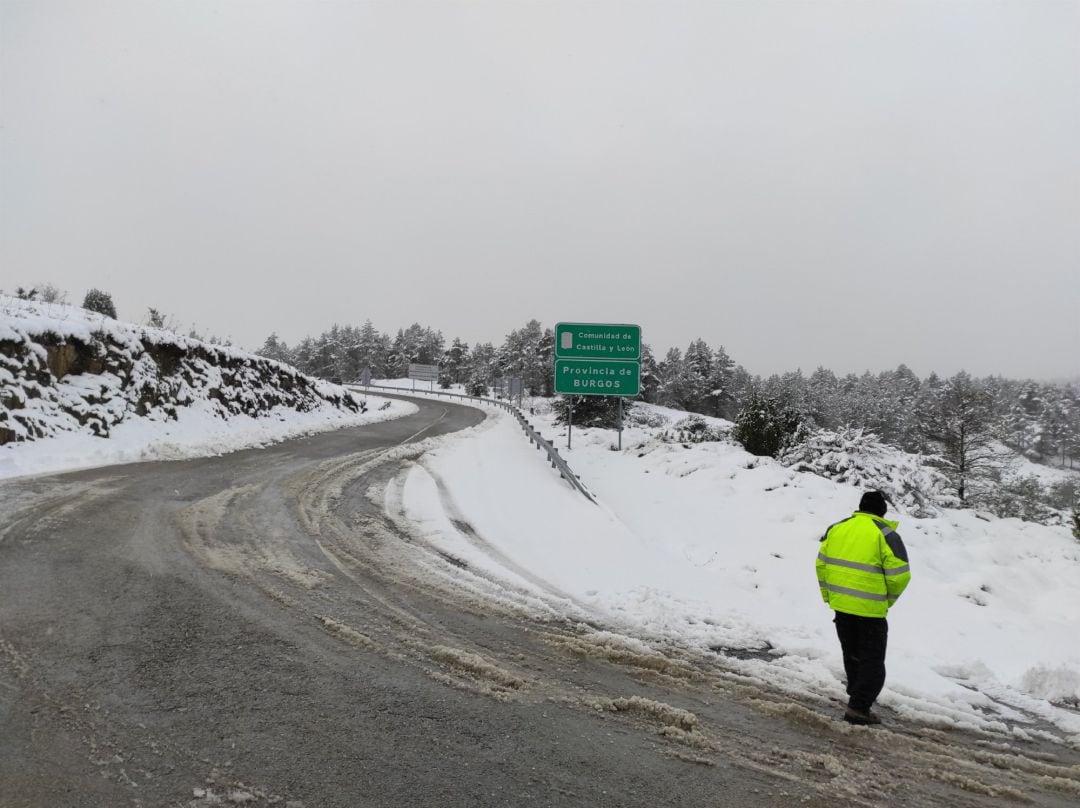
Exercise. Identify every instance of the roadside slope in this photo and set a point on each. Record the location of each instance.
(79, 389)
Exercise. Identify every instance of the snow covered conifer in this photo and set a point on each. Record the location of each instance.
(302, 356)
(599, 411)
(545, 353)
(697, 376)
(721, 384)
(477, 384)
(101, 302)
(272, 348)
(857, 458)
(371, 350)
(650, 375)
(956, 417)
(821, 392)
(765, 427)
(454, 362)
(673, 387)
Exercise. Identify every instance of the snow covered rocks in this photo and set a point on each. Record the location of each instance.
(68, 374)
(63, 368)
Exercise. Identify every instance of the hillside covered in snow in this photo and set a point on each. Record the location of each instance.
(79, 389)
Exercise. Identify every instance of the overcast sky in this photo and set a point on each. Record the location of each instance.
(848, 184)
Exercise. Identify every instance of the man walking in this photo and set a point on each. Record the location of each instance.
(862, 568)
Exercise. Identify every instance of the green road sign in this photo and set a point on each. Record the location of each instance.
(597, 377)
(597, 341)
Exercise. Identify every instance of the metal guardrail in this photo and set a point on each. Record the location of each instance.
(557, 461)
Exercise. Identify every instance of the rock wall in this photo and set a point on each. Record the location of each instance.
(51, 382)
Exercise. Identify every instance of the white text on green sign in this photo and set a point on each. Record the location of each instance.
(596, 377)
(597, 340)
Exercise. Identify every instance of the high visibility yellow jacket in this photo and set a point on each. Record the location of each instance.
(862, 565)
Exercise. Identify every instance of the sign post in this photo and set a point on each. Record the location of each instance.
(597, 359)
(620, 424)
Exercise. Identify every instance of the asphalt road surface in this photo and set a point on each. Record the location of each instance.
(260, 629)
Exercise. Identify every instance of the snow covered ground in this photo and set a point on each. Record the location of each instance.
(709, 547)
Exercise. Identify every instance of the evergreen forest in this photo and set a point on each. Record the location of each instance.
(962, 426)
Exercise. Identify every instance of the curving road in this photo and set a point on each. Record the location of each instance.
(263, 629)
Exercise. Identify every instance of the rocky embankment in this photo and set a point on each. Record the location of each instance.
(64, 369)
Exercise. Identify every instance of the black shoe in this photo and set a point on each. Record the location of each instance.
(861, 717)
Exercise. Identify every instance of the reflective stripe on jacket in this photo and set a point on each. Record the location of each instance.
(862, 565)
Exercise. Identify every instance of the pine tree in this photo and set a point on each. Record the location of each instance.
(368, 351)
(302, 356)
(100, 302)
(274, 349)
(1071, 439)
(649, 376)
(477, 384)
(324, 356)
(482, 363)
(1072, 442)
(721, 385)
(511, 355)
(402, 351)
(592, 411)
(535, 371)
(430, 348)
(897, 412)
(697, 377)
(764, 426)
(348, 361)
(455, 361)
(742, 384)
(821, 393)
(790, 390)
(154, 318)
(673, 389)
(958, 421)
(545, 363)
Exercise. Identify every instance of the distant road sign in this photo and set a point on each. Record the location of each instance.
(424, 373)
(365, 377)
(597, 377)
(597, 341)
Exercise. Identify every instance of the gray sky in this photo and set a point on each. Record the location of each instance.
(851, 184)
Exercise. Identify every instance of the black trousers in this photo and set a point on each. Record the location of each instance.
(863, 641)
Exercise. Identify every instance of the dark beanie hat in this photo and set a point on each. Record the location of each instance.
(873, 502)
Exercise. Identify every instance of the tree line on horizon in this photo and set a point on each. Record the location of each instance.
(1040, 420)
